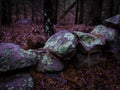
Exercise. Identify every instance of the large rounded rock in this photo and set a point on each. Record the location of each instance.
(48, 62)
(17, 82)
(107, 33)
(13, 57)
(63, 44)
(89, 43)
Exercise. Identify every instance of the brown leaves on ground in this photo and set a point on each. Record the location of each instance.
(32, 36)
(102, 77)
(105, 76)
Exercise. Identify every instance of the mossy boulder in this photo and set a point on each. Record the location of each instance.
(13, 57)
(48, 62)
(108, 33)
(17, 82)
(62, 44)
(89, 43)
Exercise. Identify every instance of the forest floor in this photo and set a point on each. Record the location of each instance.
(105, 76)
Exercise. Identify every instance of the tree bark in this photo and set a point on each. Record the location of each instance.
(33, 11)
(24, 9)
(81, 8)
(76, 16)
(116, 5)
(6, 12)
(55, 9)
(48, 22)
(106, 7)
(17, 9)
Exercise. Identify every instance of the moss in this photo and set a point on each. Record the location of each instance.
(64, 48)
(7, 59)
(30, 82)
(46, 60)
(90, 40)
(8, 52)
(69, 36)
(52, 41)
(27, 53)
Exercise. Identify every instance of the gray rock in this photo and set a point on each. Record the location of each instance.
(23, 21)
(108, 33)
(92, 59)
(89, 43)
(113, 22)
(17, 82)
(48, 62)
(62, 43)
(13, 57)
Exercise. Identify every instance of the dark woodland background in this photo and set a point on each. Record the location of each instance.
(89, 12)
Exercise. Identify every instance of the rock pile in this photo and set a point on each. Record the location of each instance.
(78, 47)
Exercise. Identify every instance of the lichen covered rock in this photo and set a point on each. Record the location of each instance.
(63, 44)
(48, 62)
(89, 43)
(13, 57)
(107, 33)
(17, 82)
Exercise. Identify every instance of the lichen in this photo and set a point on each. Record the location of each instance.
(30, 82)
(64, 48)
(47, 60)
(52, 41)
(10, 88)
(27, 53)
(4, 68)
(109, 34)
(8, 52)
(69, 36)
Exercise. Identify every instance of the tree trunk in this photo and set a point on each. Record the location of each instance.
(116, 5)
(95, 13)
(17, 9)
(81, 8)
(33, 11)
(48, 22)
(24, 9)
(106, 9)
(6, 12)
(55, 9)
(87, 4)
(76, 16)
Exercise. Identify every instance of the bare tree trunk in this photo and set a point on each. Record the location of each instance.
(48, 22)
(24, 9)
(116, 6)
(6, 12)
(55, 9)
(95, 13)
(33, 11)
(17, 9)
(76, 16)
(81, 8)
(87, 11)
(106, 13)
